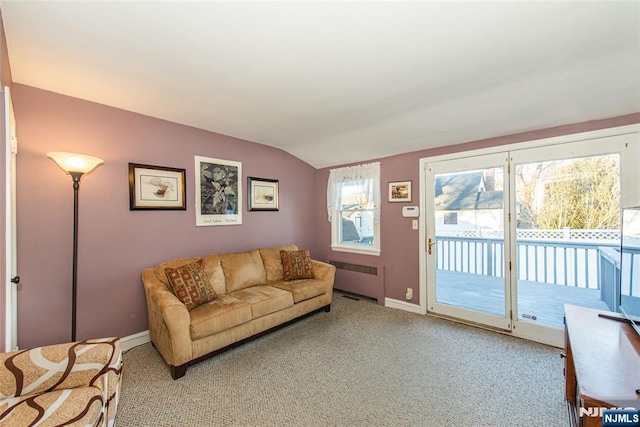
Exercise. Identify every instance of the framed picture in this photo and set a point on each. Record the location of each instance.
(218, 192)
(400, 191)
(263, 194)
(156, 188)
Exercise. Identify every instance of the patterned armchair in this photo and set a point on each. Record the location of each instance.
(74, 384)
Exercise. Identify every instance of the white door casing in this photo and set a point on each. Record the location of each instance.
(11, 151)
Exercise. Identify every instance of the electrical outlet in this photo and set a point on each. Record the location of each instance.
(409, 294)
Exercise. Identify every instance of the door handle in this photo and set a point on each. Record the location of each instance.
(430, 243)
(15, 279)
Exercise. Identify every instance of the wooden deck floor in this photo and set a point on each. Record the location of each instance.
(486, 294)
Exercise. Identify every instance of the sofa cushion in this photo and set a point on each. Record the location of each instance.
(273, 262)
(190, 284)
(297, 265)
(302, 289)
(218, 315)
(264, 299)
(242, 270)
(76, 406)
(211, 267)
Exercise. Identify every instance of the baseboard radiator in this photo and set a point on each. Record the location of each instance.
(359, 279)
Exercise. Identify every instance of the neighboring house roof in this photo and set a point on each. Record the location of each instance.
(490, 200)
(349, 232)
(465, 191)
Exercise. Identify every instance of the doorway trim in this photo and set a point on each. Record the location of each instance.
(10, 151)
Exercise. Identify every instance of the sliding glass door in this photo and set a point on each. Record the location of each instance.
(567, 200)
(512, 237)
(466, 245)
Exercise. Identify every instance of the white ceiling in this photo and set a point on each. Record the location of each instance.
(337, 82)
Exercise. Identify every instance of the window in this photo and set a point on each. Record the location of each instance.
(451, 218)
(353, 206)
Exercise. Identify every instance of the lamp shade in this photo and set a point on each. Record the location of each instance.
(74, 162)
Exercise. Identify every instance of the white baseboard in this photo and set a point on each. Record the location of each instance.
(403, 305)
(128, 342)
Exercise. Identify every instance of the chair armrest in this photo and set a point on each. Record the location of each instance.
(169, 321)
(96, 362)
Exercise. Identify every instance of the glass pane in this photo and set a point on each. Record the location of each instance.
(356, 227)
(568, 221)
(469, 227)
(356, 212)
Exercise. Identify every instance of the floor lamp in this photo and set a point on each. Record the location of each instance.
(75, 165)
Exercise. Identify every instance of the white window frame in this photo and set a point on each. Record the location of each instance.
(337, 178)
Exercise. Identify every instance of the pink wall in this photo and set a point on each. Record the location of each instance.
(398, 263)
(5, 80)
(115, 244)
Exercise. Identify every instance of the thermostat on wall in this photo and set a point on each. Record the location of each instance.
(410, 211)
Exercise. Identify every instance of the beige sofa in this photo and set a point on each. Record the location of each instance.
(252, 298)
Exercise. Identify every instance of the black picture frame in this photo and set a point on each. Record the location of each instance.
(263, 194)
(156, 188)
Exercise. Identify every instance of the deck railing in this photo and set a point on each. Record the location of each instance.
(612, 271)
(555, 261)
(609, 276)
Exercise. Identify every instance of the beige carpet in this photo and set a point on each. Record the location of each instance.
(359, 365)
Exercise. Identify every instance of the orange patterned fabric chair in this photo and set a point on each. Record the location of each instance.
(75, 384)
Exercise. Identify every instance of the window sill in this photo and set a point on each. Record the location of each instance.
(356, 250)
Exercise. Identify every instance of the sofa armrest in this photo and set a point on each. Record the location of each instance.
(169, 321)
(323, 271)
(96, 362)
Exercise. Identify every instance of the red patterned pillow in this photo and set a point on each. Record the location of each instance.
(297, 265)
(190, 284)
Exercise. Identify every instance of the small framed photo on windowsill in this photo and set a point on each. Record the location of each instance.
(400, 191)
(263, 194)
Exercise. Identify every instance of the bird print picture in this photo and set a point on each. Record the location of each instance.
(159, 187)
(156, 187)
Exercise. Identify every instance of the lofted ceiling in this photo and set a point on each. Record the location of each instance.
(336, 82)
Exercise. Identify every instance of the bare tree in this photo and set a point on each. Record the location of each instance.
(579, 193)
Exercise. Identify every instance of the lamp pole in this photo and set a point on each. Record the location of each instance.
(74, 277)
(75, 165)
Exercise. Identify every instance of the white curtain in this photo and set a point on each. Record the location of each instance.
(366, 176)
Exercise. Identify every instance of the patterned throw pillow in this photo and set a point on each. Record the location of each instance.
(190, 284)
(296, 265)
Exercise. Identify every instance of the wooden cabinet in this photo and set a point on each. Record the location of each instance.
(602, 365)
